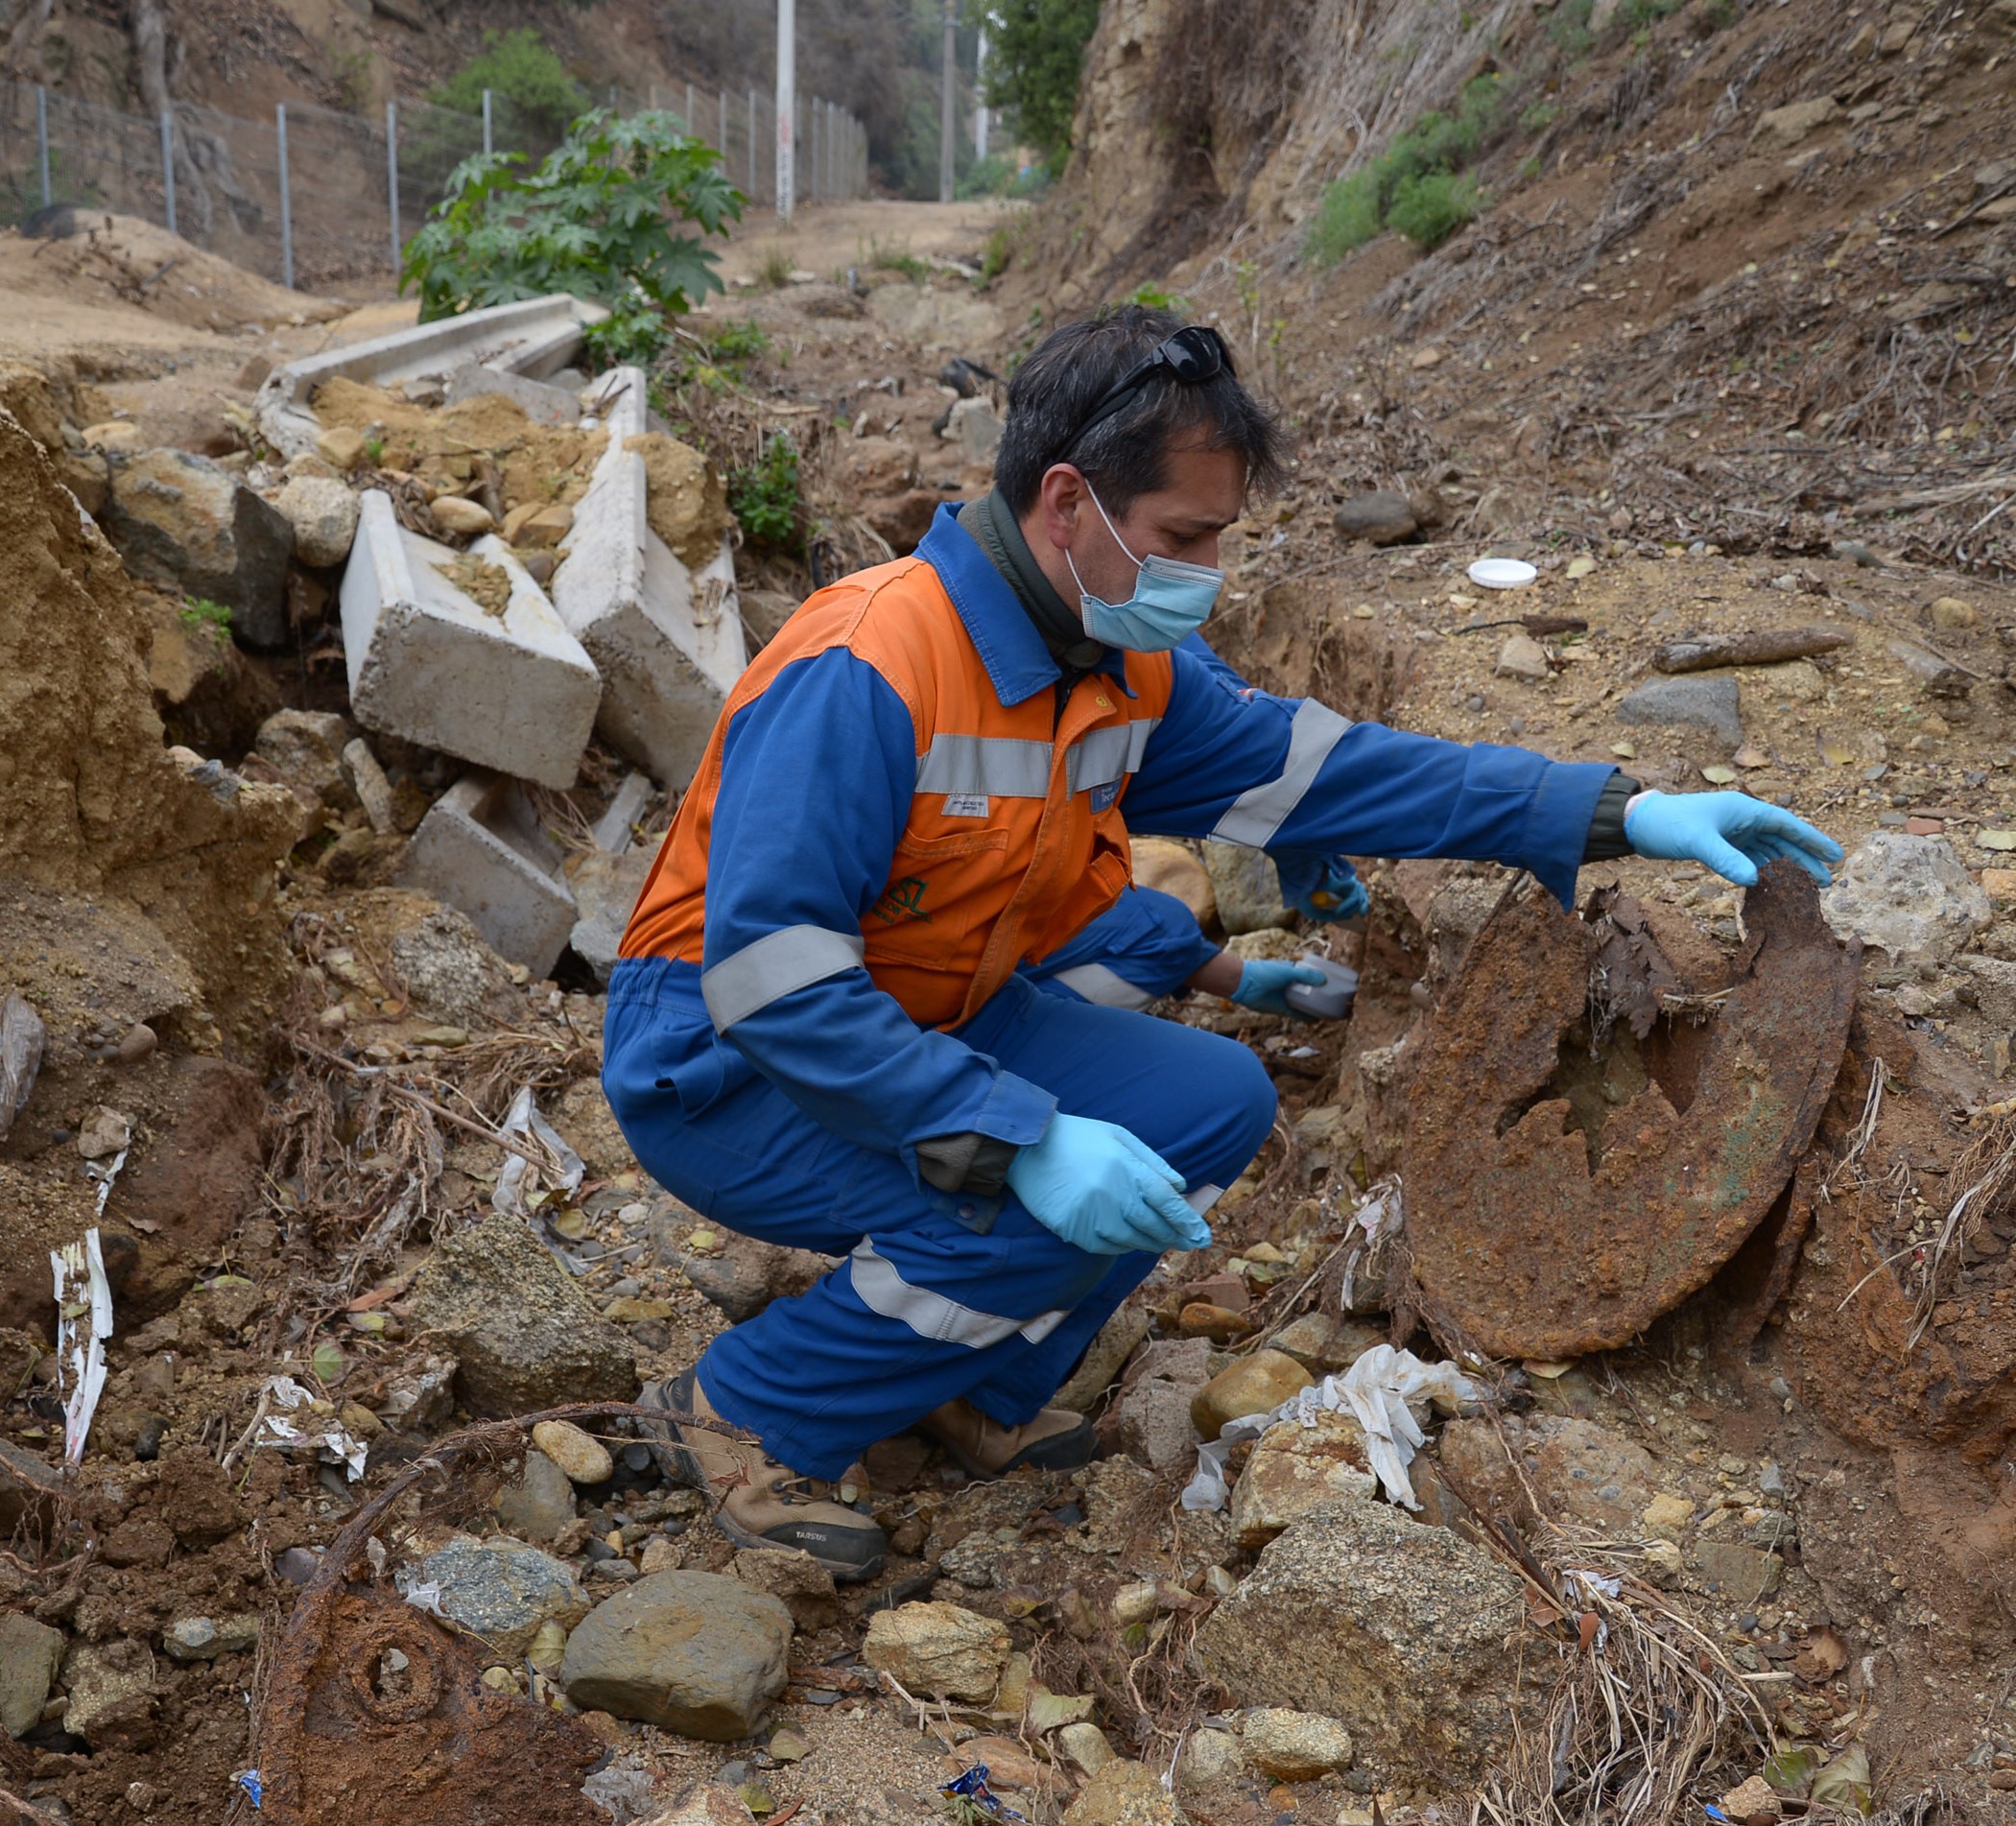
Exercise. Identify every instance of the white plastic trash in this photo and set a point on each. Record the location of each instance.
(1501, 572)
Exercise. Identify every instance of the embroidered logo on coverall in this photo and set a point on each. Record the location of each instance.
(902, 900)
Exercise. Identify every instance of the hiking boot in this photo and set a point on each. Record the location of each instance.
(758, 1502)
(1057, 1439)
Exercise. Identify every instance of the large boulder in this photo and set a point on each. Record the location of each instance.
(692, 1652)
(523, 1334)
(1244, 887)
(182, 519)
(1396, 1631)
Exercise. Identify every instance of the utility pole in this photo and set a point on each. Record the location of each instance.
(979, 105)
(948, 107)
(787, 106)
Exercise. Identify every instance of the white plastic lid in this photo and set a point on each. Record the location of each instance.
(1501, 572)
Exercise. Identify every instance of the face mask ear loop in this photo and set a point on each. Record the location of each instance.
(1110, 528)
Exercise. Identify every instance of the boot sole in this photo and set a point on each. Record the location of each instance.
(680, 1467)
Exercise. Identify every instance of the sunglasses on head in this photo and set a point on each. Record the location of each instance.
(1195, 353)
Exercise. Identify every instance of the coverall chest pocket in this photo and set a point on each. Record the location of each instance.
(937, 892)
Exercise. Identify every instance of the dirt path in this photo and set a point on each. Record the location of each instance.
(825, 238)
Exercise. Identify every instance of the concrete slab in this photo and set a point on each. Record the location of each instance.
(511, 691)
(613, 829)
(480, 849)
(536, 336)
(606, 890)
(668, 643)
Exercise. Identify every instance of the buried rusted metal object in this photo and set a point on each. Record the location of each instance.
(1594, 1129)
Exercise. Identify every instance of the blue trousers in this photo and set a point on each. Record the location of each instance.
(926, 1308)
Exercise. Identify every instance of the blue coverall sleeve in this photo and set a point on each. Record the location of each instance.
(1148, 939)
(1290, 773)
(817, 775)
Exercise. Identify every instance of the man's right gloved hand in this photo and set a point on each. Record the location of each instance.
(1103, 1190)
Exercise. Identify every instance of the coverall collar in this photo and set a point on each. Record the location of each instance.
(1002, 630)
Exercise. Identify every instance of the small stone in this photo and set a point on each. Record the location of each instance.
(502, 1590)
(296, 1564)
(30, 1653)
(1115, 1341)
(1752, 1797)
(467, 518)
(786, 1745)
(1325, 1345)
(1087, 1745)
(1580, 567)
(1009, 1764)
(580, 1454)
(549, 1645)
(1770, 1479)
(1380, 517)
(1667, 1514)
(1245, 889)
(1662, 1564)
(324, 515)
(1855, 552)
(1740, 1574)
(342, 447)
(1699, 701)
(1210, 1756)
(1254, 1385)
(205, 1638)
(1793, 123)
(1522, 656)
(692, 1652)
(938, 1648)
(1123, 1793)
(803, 1586)
(113, 435)
(1295, 1746)
(136, 1044)
(1294, 1469)
(112, 1693)
(1952, 614)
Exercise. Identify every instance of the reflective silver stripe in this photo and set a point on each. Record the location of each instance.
(1106, 756)
(1254, 816)
(1001, 766)
(775, 964)
(1108, 988)
(882, 1290)
(1203, 1197)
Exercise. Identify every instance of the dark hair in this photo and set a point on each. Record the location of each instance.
(1124, 455)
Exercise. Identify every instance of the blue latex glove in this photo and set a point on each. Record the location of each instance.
(1731, 832)
(1322, 889)
(1100, 1188)
(1263, 984)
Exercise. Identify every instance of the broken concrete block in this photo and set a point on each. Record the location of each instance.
(606, 890)
(613, 829)
(542, 403)
(668, 640)
(509, 689)
(185, 520)
(480, 848)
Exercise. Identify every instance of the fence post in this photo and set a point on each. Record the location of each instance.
(723, 142)
(689, 111)
(41, 137)
(168, 165)
(751, 186)
(489, 145)
(286, 201)
(784, 155)
(391, 173)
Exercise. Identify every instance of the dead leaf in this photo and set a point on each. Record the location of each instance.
(1750, 755)
(1589, 1629)
(1824, 1655)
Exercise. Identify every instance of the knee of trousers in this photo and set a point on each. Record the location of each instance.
(1237, 1107)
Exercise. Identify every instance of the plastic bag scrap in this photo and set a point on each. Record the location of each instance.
(422, 1593)
(338, 1445)
(1379, 1390)
(1586, 1587)
(971, 1785)
(535, 1190)
(1381, 1218)
(84, 1322)
(255, 1790)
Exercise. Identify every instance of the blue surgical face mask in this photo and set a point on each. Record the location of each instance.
(1172, 600)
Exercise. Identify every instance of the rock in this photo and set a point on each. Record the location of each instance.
(1601, 15)
(305, 748)
(182, 519)
(1709, 701)
(938, 1650)
(876, 466)
(1153, 1419)
(1087, 1745)
(502, 1590)
(1590, 1474)
(205, 1638)
(902, 519)
(583, 1457)
(975, 426)
(114, 437)
(539, 1502)
(1741, 1575)
(1294, 1469)
(1522, 656)
(374, 791)
(763, 613)
(1245, 887)
(740, 1275)
(1210, 1756)
(1790, 124)
(136, 1043)
(105, 1132)
(342, 447)
(448, 967)
(323, 515)
(1394, 1629)
(1295, 1746)
(1163, 863)
(803, 1586)
(606, 890)
(1753, 1796)
(1123, 1793)
(112, 1693)
(30, 1653)
(1909, 896)
(524, 1336)
(1324, 1346)
(1380, 517)
(1662, 1564)
(705, 1804)
(692, 1653)
(1009, 1764)
(1254, 1385)
(464, 518)
(1667, 1514)
(1100, 1367)
(1954, 615)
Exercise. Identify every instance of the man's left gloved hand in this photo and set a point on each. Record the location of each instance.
(1264, 983)
(1734, 833)
(1322, 889)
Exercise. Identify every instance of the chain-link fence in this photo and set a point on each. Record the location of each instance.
(318, 199)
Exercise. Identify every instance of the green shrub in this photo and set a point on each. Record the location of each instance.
(1347, 217)
(1430, 208)
(895, 256)
(766, 497)
(1153, 297)
(1035, 50)
(635, 330)
(774, 269)
(596, 218)
(200, 614)
(530, 87)
(1539, 116)
(736, 344)
(1569, 28)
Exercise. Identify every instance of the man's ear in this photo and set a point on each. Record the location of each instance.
(1060, 499)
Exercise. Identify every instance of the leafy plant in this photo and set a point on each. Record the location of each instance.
(1035, 52)
(528, 84)
(767, 499)
(596, 218)
(1430, 208)
(200, 614)
(774, 269)
(635, 331)
(1155, 299)
(374, 451)
(1413, 185)
(895, 256)
(995, 255)
(738, 343)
